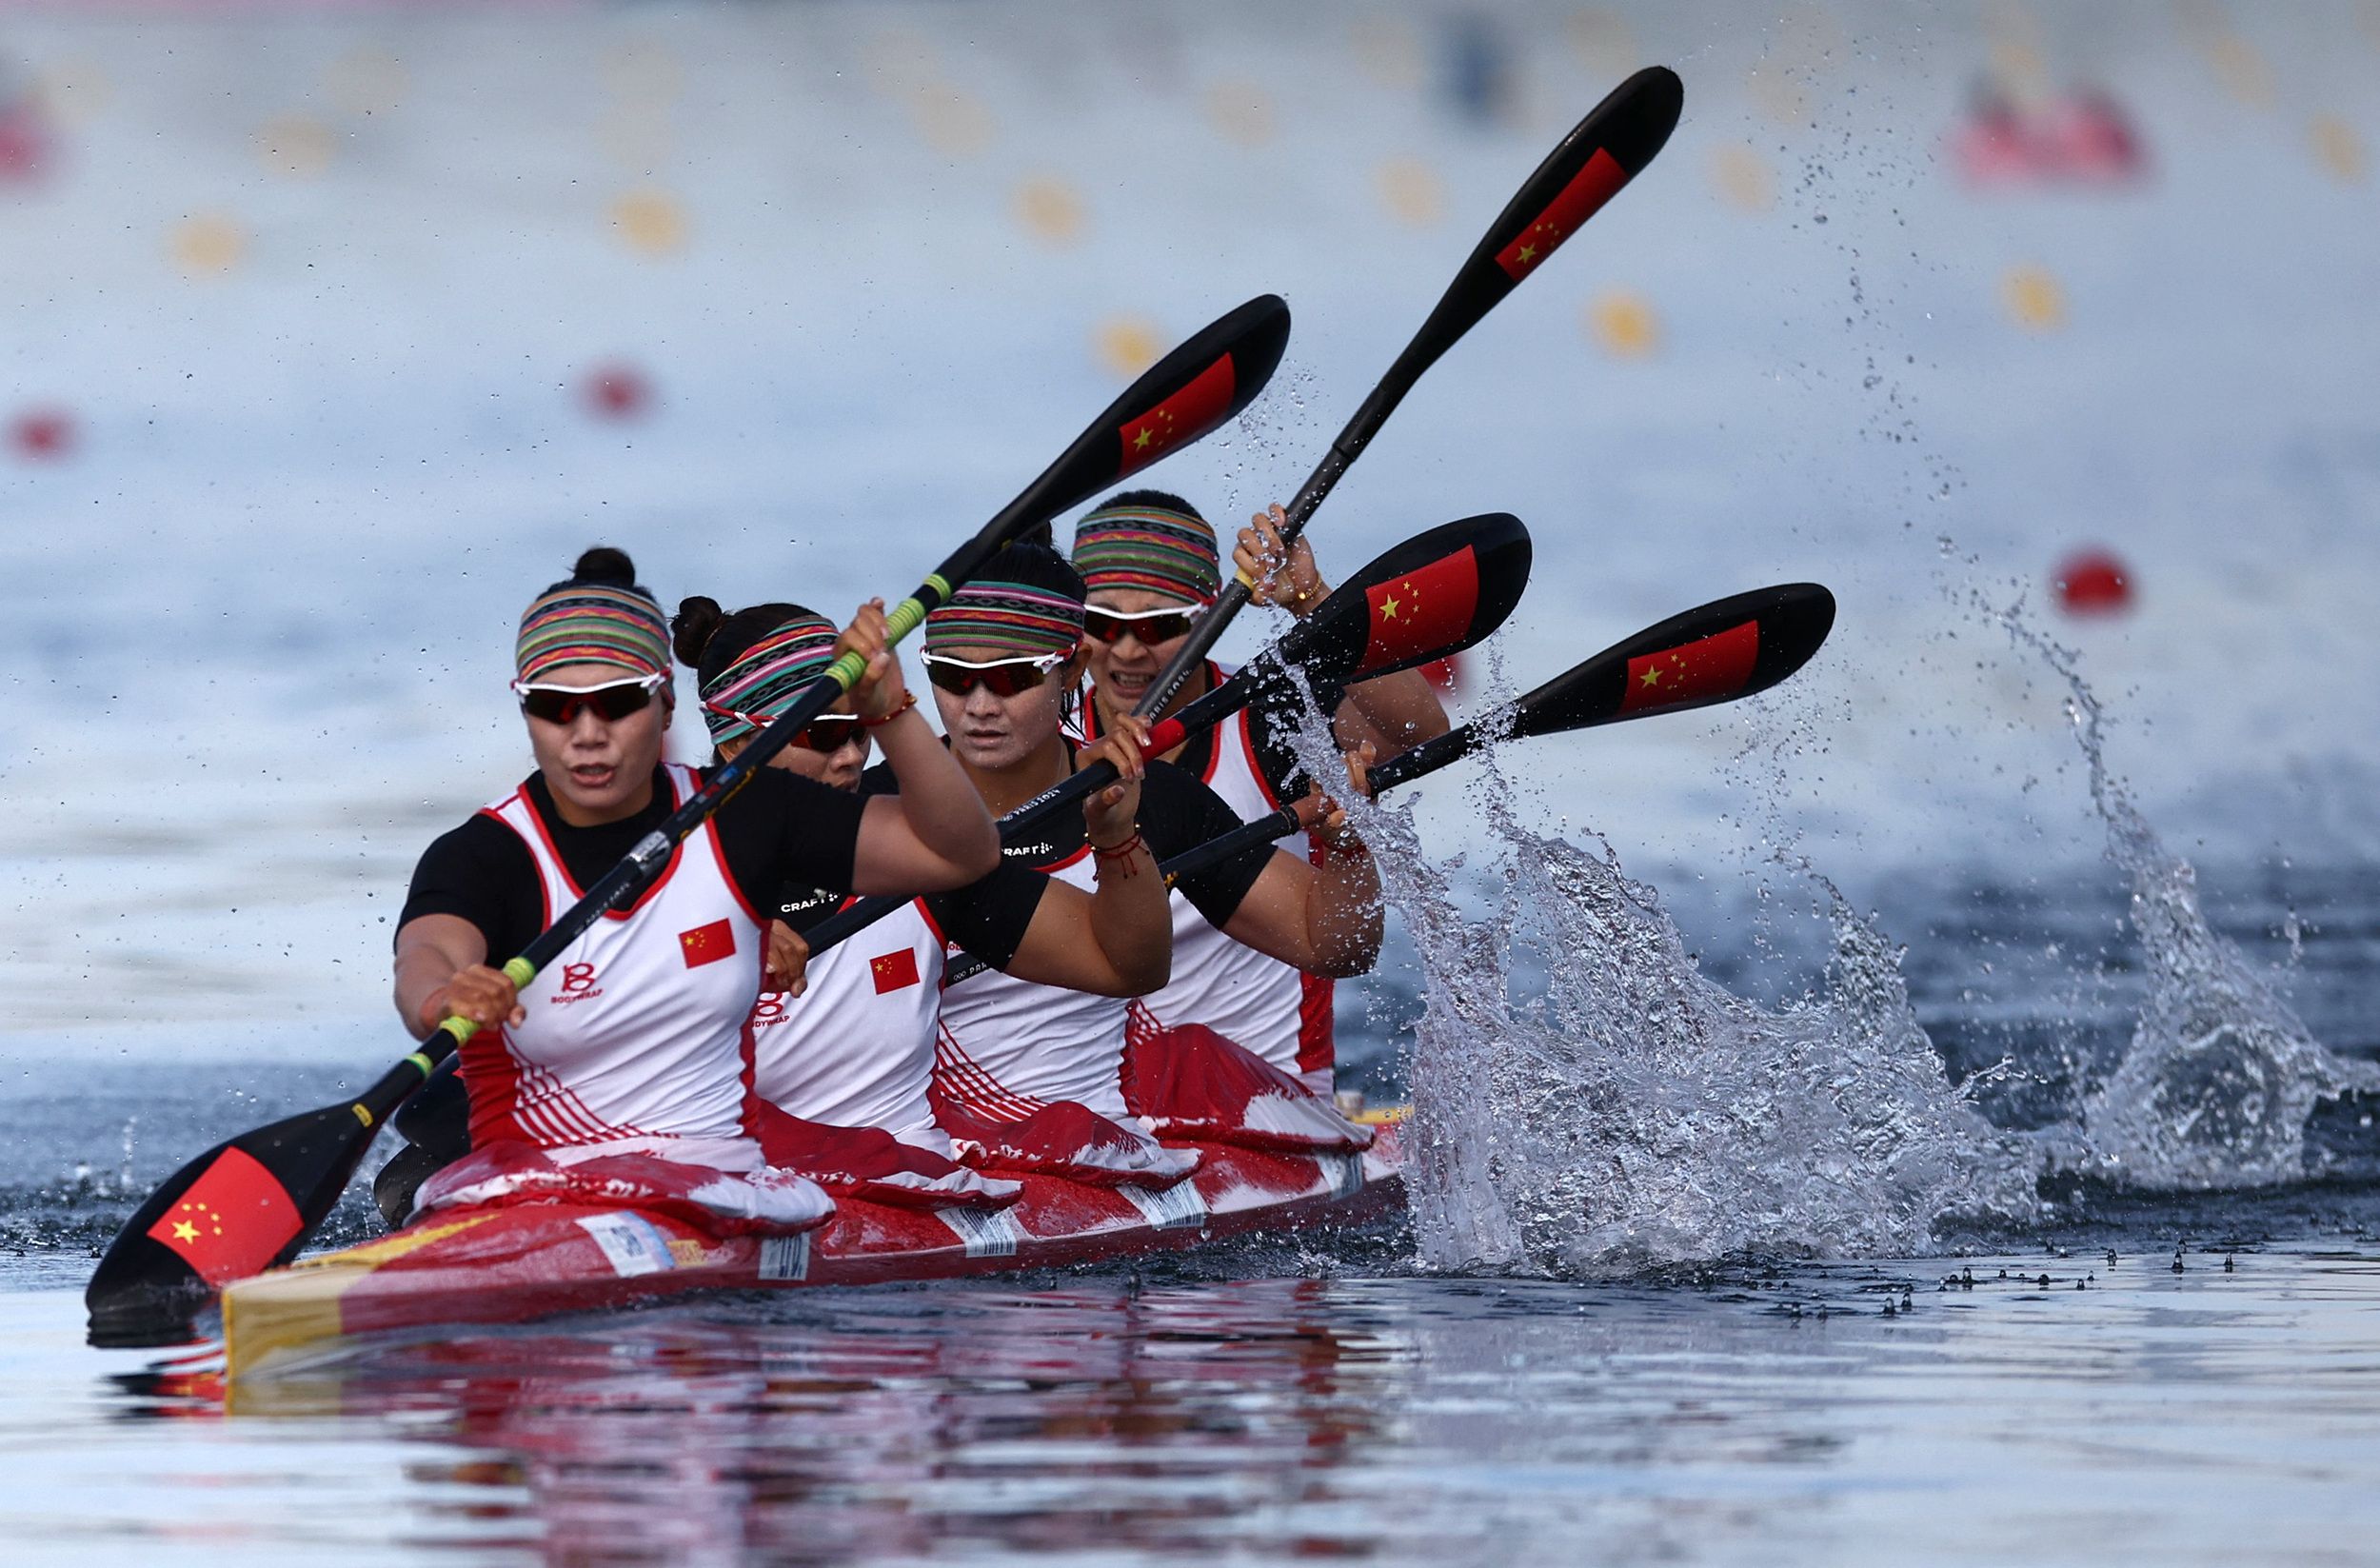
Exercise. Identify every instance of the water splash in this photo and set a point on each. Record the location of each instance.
(1586, 1101)
(2220, 1076)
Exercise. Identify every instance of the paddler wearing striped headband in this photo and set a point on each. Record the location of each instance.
(1151, 567)
(1030, 1077)
(842, 1071)
(631, 1040)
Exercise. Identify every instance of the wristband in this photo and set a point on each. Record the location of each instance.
(1122, 854)
(908, 700)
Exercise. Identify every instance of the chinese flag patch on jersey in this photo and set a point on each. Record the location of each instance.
(233, 1221)
(894, 971)
(707, 943)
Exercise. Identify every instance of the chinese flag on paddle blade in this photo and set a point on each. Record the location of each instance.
(1422, 610)
(707, 943)
(1178, 418)
(1716, 665)
(894, 971)
(1588, 189)
(232, 1215)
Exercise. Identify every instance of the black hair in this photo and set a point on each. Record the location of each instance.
(608, 568)
(1166, 499)
(708, 639)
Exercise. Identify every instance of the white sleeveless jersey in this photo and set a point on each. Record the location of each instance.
(1251, 998)
(1009, 1046)
(637, 1031)
(856, 1049)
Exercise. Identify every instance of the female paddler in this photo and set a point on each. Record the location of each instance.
(632, 1042)
(1150, 565)
(841, 1067)
(1017, 1061)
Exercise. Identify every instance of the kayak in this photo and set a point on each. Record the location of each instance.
(514, 1263)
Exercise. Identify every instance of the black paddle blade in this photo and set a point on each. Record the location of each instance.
(1728, 648)
(1602, 154)
(1209, 379)
(236, 1210)
(1437, 593)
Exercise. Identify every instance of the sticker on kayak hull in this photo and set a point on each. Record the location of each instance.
(633, 1244)
(1345, 1172)
(785, 1257)
(1168, 1208)
(986, 1233)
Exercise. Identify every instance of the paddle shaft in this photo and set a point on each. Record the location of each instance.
(1619, 137)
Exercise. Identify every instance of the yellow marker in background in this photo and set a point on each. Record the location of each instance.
(1742, 177)
(295, 146)
(2339, 148)
(1127, 345)
(1411, 191)
(2033, 298)
(951, 119)
(207, 245)
(1241, 112)
(1624, 324)
(1051, 212)
(649, 221)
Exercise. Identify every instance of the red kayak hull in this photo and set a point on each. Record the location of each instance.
(516, 1264)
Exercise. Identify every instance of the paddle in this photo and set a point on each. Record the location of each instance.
(1729, 648)
(1438, 592)
(1587, 168)
(251, 1201)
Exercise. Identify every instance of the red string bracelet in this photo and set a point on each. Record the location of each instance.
(908, 700)
(1122, 854)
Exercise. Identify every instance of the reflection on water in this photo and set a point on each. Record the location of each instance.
(2059, 1408)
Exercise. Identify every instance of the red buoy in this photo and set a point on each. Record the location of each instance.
(2093, 582)
(41, 435)
(618, 391)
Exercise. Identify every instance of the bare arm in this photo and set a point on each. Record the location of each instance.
(1393, 711)
(442, 971)
(1325, 919)
(934, 834)
(1118, 940)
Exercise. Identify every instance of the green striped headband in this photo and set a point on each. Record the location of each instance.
(1012, 617)
(591, 624)
(762, 681)
(1152, 548)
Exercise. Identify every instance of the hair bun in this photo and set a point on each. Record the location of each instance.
(692, 629)
(606, 566)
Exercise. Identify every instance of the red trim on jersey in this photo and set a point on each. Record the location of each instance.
(960, 1077)
(1256, 769)
(931, 924)
(1318, 1027)
(538, 818)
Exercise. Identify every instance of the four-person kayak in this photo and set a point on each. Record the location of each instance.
(505, 1264)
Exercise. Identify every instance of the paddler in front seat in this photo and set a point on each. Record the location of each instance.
(631, 1042)
(1150, 566)
(841, 1067)
(1019, 1063)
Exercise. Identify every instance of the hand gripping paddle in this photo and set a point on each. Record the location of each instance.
(1438, 592)
(250, 1203)
(1602, 153)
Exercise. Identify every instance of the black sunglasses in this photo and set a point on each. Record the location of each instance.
(611, 702)
(1002, 678)
(1150, 626)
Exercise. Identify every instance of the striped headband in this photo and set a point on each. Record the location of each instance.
(1012, 617)
(591, 624)
(1152, 548)
(763, 680)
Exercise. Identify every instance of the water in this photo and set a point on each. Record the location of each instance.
(1963, 952)
(1770, 1417)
